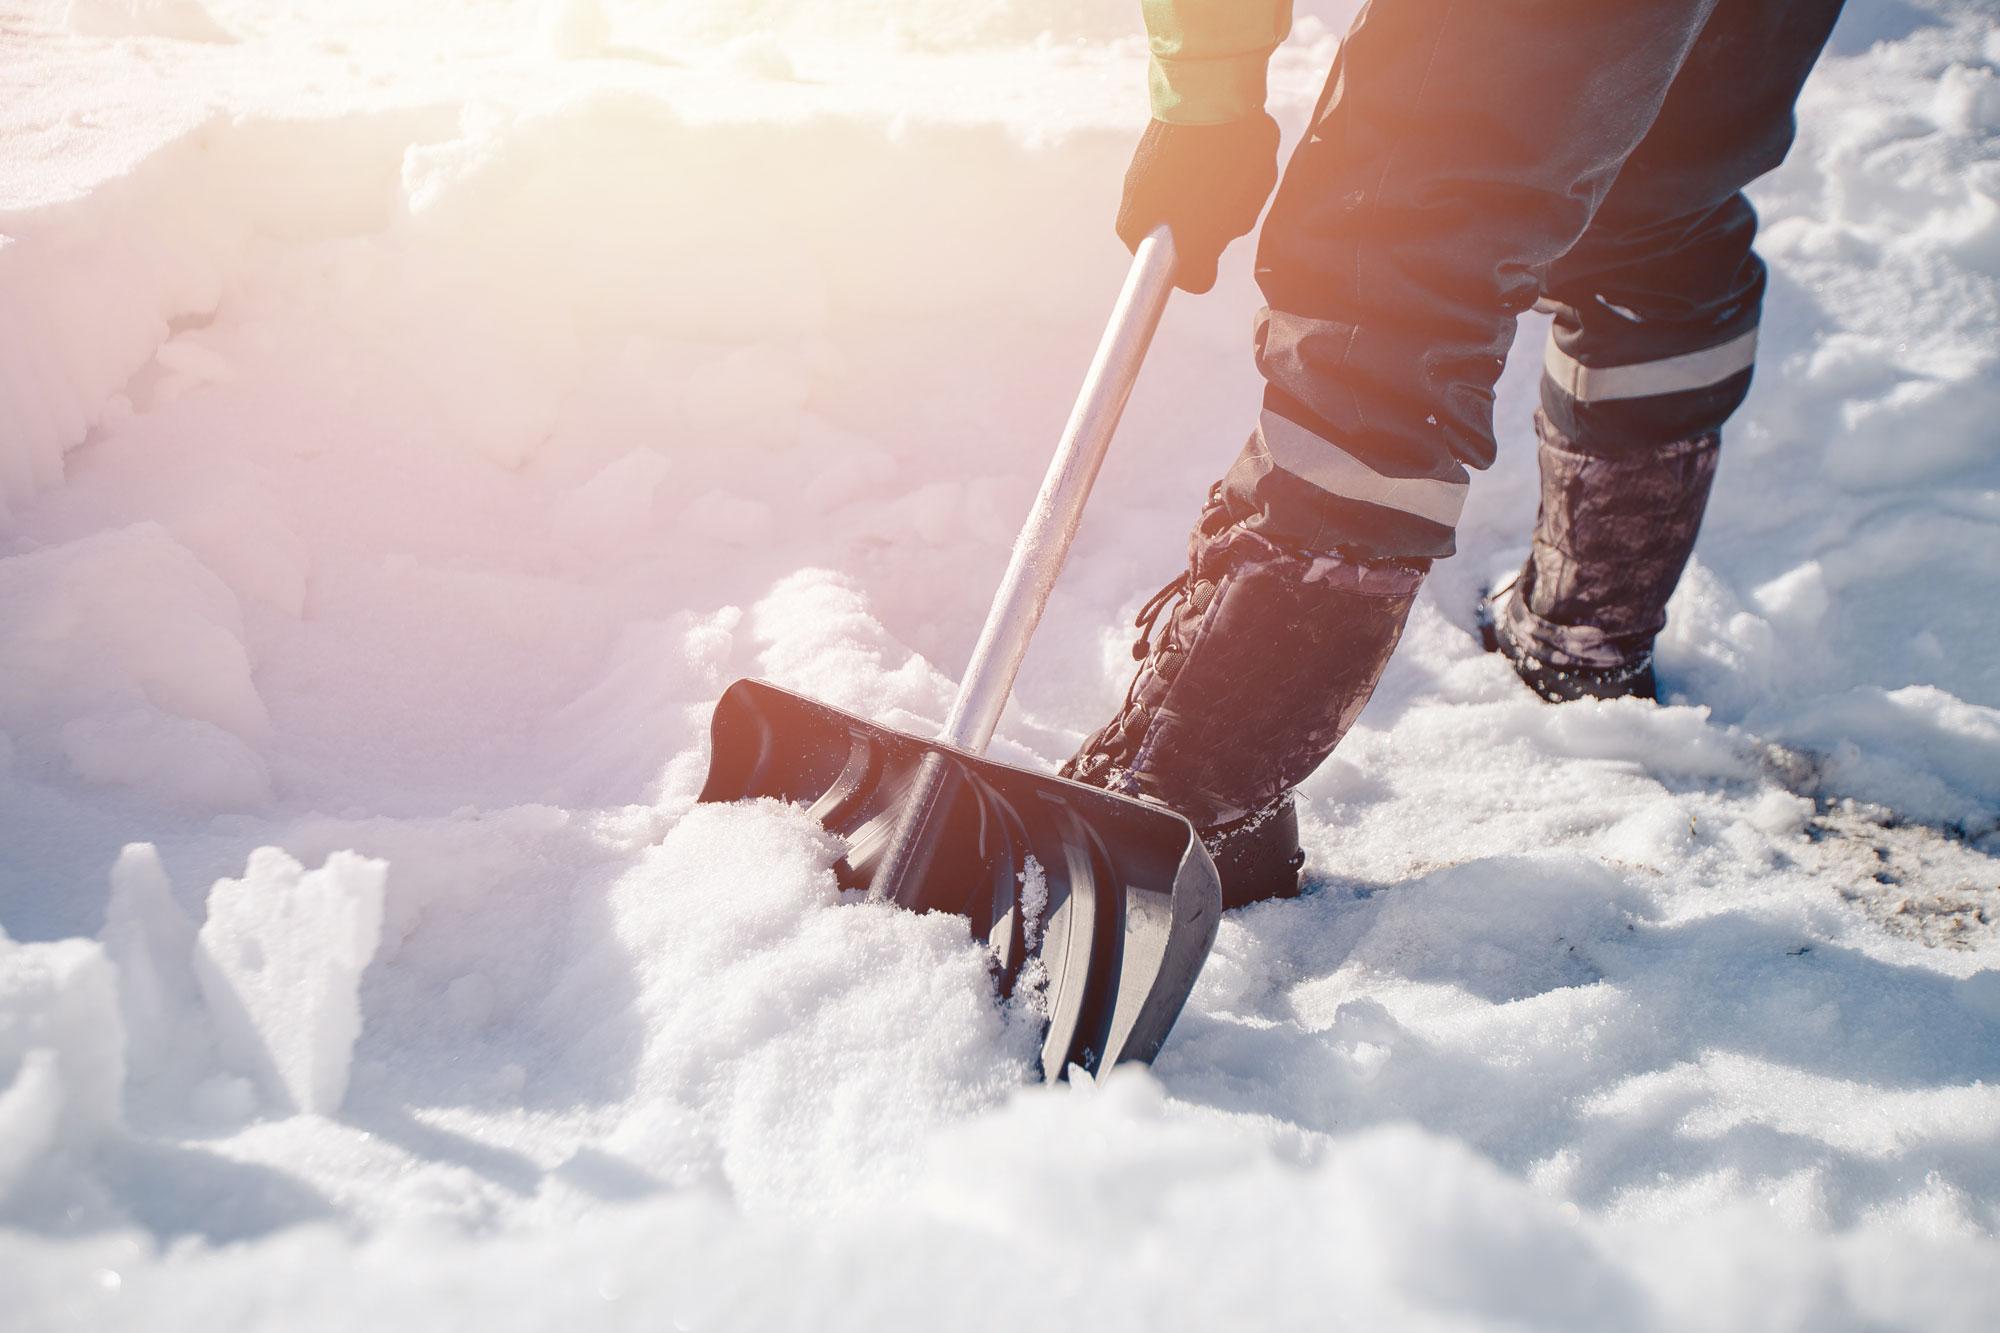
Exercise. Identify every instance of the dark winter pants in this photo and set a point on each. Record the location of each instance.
(1468, 159)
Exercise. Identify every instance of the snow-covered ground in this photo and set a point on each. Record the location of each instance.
(410, 421)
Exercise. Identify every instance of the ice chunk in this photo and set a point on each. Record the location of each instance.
(279, 961)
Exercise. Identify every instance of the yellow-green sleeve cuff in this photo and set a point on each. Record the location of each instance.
(1208, 92)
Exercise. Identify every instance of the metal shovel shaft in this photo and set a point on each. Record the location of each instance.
(1045, 538)
(1113, 900)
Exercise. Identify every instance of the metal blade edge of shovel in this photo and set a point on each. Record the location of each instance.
(1129, 900)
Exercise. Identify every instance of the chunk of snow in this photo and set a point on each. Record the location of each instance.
(1781, 814)
(816, 635)
(1797, 599)
(151, 942)
(59, 1009)
(123, 650)
(280, 959)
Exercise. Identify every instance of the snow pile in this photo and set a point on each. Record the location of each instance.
(790, 1034)
(393, 482)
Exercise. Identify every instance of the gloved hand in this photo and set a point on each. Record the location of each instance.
(1207, 182)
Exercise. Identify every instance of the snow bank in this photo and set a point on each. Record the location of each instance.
(93, 291)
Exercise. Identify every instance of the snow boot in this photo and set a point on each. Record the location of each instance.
(1563, 684)
(1258, 856)
(1614, 533)
(1253, 663)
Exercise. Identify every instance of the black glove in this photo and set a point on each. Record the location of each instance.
(1207, 182)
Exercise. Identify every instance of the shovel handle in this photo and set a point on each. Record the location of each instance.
(1044, 541)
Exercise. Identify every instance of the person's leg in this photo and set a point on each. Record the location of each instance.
(1656, 311)
(1459, 149)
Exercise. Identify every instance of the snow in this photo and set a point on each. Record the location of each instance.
(574, 29)
(410, 422)
(151, 943)
(184, 20)
(279, 960)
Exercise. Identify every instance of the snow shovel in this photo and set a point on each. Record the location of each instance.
(1098, 909)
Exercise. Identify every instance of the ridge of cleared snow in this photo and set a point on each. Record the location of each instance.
(400, 454)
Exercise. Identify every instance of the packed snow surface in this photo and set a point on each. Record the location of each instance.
(412, 417)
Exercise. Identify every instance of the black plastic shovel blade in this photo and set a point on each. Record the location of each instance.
(1116, 899)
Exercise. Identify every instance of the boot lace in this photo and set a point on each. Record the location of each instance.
(1112, 746)
(1149, 614)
